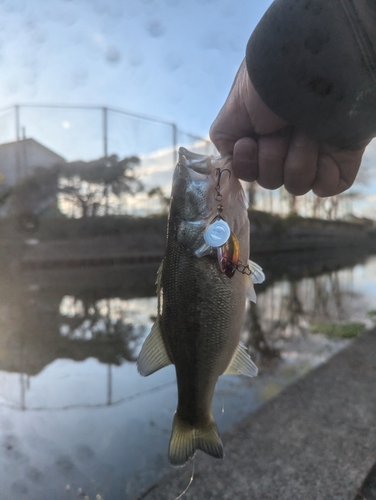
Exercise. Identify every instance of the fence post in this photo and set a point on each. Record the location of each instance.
(105, 131)
(17, 117)
(174, 144)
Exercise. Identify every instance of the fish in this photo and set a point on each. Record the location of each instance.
(203, 283)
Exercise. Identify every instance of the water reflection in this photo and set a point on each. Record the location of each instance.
(115, 323)
(74, 412)
(259, 341)
(288, 309)
(74, 314)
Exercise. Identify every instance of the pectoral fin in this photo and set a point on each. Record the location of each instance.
(159, 277)
(251, 294)
(241, 363)
(204, 249)
(257, 276)
(153, 355)
(257, 273)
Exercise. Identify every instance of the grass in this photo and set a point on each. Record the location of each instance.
(339, 330)
(372, 315)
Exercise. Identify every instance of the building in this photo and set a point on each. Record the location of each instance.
(18, 159)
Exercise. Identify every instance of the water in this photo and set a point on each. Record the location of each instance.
(77, 421)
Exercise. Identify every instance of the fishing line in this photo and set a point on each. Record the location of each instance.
(223, 401)
(190, 481)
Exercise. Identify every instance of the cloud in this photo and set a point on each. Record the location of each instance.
(370, 154)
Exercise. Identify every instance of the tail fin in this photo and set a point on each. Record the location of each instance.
(185, 440)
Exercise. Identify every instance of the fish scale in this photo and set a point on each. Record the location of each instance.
(201, 299)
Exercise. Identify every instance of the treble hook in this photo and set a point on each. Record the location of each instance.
(219, 173)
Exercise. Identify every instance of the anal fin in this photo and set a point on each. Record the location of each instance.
(153, 355)
(241, 363)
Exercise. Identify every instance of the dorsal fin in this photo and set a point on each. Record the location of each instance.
(241, 363)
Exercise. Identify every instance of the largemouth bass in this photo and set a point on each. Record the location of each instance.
(202, 286)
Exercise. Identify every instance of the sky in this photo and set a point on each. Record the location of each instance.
(173, 60)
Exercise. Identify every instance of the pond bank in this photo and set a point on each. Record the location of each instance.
(62, 243)
(314, 440)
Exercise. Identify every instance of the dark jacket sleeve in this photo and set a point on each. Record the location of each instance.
(313, 62)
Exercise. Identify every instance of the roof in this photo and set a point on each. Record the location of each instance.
(31, 142)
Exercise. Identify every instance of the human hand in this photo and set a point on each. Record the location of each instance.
(267, 149)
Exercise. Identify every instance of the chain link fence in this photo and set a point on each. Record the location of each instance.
(76, 132)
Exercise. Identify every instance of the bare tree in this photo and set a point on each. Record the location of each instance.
(158, 193)
(252, 190)
(89, 186)
(292, 204)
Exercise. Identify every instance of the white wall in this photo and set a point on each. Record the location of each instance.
(18, 159)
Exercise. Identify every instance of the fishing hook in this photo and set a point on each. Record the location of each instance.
(219, 173)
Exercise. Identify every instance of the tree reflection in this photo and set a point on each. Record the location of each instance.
(292, 314)
(286, 309)
(67, 319)
(329, 292)
(102, 322)
(38, 327)
(257, 339)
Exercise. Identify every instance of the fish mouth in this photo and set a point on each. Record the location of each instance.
(197, 163)
(202, 164)
(198, 185)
